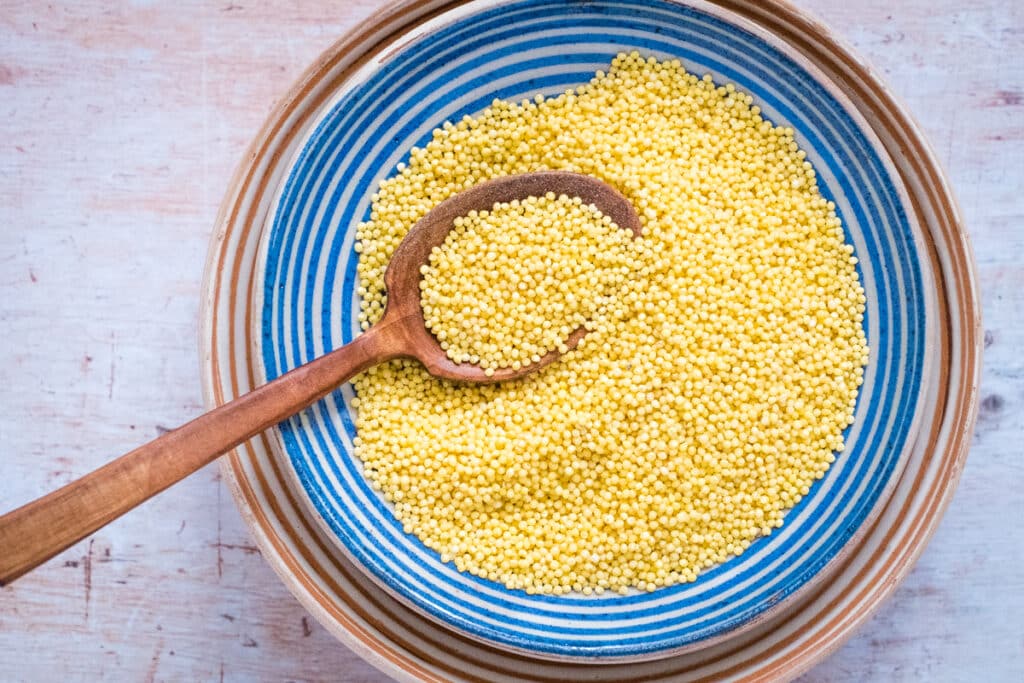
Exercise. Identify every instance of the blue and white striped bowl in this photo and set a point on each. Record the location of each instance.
(456, 65)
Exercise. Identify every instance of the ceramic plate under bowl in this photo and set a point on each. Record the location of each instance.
(345, 127)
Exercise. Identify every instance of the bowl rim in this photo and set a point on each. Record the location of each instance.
(757, 614)
(786, 23)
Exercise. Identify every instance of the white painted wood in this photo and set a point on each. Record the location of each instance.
(120, 124)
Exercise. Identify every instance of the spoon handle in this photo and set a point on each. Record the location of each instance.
(37, 531)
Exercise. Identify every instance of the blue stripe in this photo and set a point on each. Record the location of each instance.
(275, 278)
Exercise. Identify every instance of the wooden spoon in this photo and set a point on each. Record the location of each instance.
(39, 530)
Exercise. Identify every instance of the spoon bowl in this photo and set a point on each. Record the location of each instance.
(404, 314)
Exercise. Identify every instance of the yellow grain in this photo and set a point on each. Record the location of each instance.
(511, 284)
(716, 381)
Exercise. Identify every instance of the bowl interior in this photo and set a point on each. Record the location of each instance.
(456, 65)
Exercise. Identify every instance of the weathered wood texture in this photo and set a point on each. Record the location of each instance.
(120, 124)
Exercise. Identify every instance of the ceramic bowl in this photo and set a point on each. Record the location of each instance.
(281, 291)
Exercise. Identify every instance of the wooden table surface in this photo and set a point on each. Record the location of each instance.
(120, 124)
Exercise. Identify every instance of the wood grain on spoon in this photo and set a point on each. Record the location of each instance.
(35, 532)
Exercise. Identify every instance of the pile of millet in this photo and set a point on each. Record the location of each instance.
(724, 352)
